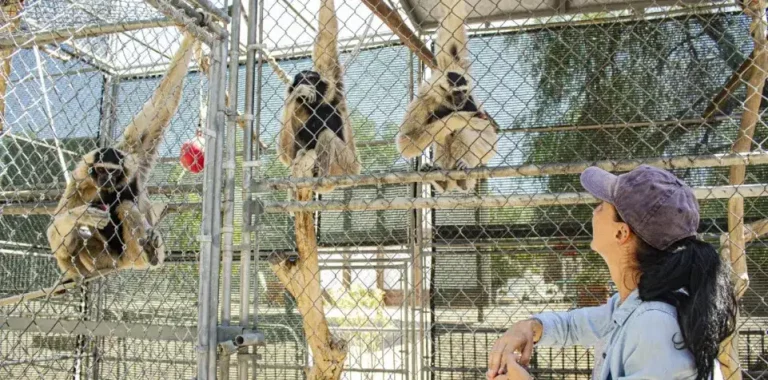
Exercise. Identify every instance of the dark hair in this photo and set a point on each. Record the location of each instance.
(706, 306)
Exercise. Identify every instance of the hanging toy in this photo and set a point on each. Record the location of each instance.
(193, 153)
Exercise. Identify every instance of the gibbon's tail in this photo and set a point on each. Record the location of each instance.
(325, 54)
(452, 35)
(142, 136)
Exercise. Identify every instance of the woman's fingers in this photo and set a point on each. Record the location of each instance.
(514, 370)
(495, 358)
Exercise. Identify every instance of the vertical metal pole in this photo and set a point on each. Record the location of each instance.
(219, 123)
(250, 158)
(229, 184)
(204, 345)
(257, 128)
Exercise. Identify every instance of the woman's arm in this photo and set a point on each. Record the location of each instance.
(583, 326)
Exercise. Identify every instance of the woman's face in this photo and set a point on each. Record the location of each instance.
(608, 235)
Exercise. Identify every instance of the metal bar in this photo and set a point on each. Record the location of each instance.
(42, 195)
(229, 181)
(206, 228)
(49, 114)
(219, 123)
(35, 142)
(403, 203)
(298, 14)
(24, 40)
(191, 19)
(250, 153)
(677, 162)
(100, 328)
(591, 8)
(209, 7)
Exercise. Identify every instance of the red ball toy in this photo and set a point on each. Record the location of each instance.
(193, 154)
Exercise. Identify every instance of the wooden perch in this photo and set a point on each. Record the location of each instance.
(9, 21)
(730, 87)
(392, 19)
(302, 279)
(735, 240)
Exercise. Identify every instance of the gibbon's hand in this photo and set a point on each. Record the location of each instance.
(521, 338)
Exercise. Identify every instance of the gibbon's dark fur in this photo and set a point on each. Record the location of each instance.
(316, 136)
(444, 113)
(104, 219)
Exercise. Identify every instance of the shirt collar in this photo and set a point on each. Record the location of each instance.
(624, 309)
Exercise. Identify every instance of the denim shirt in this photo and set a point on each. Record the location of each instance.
(632, 339)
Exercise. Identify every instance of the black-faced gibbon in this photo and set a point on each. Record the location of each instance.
(445, 114)
(105, 219)
(316, 136)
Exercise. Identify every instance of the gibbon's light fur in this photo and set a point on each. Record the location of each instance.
(316, 136)
(105, 219)
(444, 113)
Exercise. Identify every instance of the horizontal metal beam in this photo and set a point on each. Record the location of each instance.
(523, 13)
(677, 162)
(48, 208)
(99, 328)
(493, 201)
(191, 19)
(27, 40)
(43, 195)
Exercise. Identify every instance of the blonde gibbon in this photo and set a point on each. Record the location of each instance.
(105, 219)
(316, 137)
(445, 114)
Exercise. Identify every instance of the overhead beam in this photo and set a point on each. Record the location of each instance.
(24, 40)
(392, 19)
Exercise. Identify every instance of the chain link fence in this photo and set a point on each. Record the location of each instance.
(417, 284)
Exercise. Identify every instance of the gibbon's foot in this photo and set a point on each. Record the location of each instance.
(428, 168)
(153, 248)
(91, 217)
(439, 186)
(461, 164)
(304, 163)
(84, 232)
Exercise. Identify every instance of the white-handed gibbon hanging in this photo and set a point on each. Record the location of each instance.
(444, 114)
(105, 219)
(316, 137)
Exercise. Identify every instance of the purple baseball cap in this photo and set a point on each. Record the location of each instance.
(659, 207)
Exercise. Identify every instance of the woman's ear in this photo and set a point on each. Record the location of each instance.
(623, 233)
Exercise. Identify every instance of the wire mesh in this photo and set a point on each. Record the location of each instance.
(69, 90)
(567, 84)
(415, 292)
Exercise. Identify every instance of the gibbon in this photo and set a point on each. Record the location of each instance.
(445, 114)
(105, 220)
(316, 137)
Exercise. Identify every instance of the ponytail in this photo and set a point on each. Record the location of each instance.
(691, 276)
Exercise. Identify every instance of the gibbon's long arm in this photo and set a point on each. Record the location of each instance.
(291, 123)
(325, 54)
(451, 44)
(339, 157)
(143, 135)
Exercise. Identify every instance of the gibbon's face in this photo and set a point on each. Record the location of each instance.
(456, 88)
(308, 86)
(108, 169)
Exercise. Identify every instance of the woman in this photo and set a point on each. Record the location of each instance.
(675, 302)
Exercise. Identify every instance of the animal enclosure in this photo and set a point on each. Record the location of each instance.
(387, 276)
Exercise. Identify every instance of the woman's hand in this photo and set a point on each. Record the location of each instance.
(513, 370)
(519, 338)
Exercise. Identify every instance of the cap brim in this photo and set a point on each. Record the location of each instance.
(599, 183)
